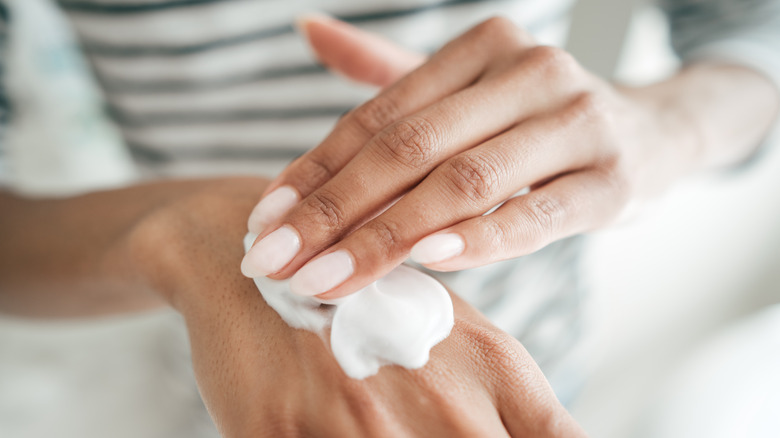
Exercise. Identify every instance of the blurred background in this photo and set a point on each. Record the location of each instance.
(686, 338)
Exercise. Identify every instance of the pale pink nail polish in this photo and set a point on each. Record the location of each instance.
(272, 253)
(301, 20)
(437, 248)
(272, 207)
(323, 274)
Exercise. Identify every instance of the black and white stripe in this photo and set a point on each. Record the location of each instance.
(5, 101)
(201, 79)
(131, 7)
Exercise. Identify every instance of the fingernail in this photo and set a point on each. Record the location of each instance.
(437, 248)
(272, 207)
(322, 274)
(272, 253)
(303, 18)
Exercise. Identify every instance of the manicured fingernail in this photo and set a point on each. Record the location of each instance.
(272, 207)
(323, 274)
(272, 253)
(302, 19)
(437, 248)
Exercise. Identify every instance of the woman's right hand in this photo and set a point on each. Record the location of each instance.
(259, 377)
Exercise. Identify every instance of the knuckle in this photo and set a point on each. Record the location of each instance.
(366, 404)
(616, 177)
(592, 113)
(554, 63)
(411, 142)
(324, 208)
(498, 236)
(592, 107)
(508, 365)
(473, 176)
(619, 175)
(498, 27)
(493, 348)
(545, 213)
(315, 168)
(388, 236)
(587, 111)
(375, 114)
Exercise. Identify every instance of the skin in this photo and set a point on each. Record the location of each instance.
(450, 137)
(455, 135)
(179, 243)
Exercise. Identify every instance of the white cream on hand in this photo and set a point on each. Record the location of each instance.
(395, 320)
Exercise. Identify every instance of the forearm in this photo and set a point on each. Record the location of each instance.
(67, 257)
(736, 109)
(712, 115)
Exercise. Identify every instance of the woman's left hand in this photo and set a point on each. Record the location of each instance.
(415, 169)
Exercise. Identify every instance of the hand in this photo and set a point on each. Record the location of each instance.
(415, 169)
(261, 378)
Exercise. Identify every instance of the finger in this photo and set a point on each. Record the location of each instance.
(535, 411)
(359, 55)
(516, 387)
(524, 399)
(499, 365)
(464, 186)
(446, 399)
(401, 155)
(473, 418)
(389, 165)
(566, 206)
(470, 53)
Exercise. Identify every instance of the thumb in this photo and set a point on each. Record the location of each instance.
(356, 54)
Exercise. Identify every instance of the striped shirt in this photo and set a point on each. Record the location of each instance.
(205, 83)
(225, 86)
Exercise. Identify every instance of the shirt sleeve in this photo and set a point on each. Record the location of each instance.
(740, 32)
(743, 32)
(5, 103)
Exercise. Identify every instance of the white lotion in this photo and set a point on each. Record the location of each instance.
(395, 320)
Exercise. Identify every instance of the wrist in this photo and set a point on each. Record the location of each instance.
(178, 250)
(711, 115)
(157, 258)
(664, 134)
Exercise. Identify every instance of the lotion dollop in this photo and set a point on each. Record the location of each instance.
(395, 320)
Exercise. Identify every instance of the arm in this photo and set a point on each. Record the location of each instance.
(181, 243)
(414, 170)
(734, 36)
(259, 377)
(712, 115)
(69, 257)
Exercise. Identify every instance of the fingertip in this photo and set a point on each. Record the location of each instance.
(302, 21)
(272, 207)
(253, 223)
(330, 301)
(321, 275)
(249, 269)
(330, 297)
(438, 248)
(271, 253)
